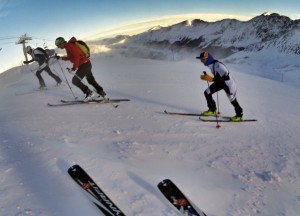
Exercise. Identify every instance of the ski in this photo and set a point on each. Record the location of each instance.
(178, 199)
(222, 119)
(67, 103)
(182, 113)
(98, 101)
(94, 192)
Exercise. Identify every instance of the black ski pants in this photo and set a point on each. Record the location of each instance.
(40, 78)
(85, 70)
(215, 87)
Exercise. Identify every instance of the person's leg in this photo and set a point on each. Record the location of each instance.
(238, 109)
(91, 79)
(57, 79)
(40, 78)
(76, 80)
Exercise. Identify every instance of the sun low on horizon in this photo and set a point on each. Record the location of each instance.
(139, 26)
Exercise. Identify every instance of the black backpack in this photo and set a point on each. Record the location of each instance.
(47, 52)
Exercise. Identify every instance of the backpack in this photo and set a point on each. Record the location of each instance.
(47, 52)
(83, 47)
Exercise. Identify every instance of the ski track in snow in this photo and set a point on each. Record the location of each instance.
(239, 169)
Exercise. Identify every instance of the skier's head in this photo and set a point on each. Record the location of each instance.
(28, 49)
(206, 58)
(59, 42)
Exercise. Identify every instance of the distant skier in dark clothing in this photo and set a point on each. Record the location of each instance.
(222, 80)
(39, 56)
(82, 67)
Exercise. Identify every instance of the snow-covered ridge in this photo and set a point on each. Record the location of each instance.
(267, 31)
(258, 33)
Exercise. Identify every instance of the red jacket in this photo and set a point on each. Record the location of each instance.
(74, 54)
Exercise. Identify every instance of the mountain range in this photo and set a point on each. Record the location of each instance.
(224, 38)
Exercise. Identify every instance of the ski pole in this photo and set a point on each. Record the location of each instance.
(67, 81)
(56, 73)
(75, 75)
(217, 126)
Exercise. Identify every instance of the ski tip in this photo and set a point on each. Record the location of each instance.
(163, 182)
(73, 168)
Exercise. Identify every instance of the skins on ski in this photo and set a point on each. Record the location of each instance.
(178, 199)
(96, 195)
(222, 119)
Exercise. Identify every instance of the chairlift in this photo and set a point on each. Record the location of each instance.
(45, 45)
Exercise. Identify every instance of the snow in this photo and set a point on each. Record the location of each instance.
(239, 169)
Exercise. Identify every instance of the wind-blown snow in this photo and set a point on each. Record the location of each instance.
(240, 169)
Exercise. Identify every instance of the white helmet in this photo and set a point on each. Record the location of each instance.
(28, 49)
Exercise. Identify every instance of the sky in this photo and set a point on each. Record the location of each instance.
(44, 20)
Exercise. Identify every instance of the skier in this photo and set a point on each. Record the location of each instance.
(81, 67)
(40, 56)
(222, 80)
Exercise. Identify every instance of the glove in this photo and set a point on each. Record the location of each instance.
(206, 77)
(56, 56)
(71, 71)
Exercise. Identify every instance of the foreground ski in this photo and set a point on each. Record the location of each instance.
(97, 196)
(182, 113)
(178, 199)
(222, 119)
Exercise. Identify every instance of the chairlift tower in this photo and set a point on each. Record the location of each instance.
(22, 40)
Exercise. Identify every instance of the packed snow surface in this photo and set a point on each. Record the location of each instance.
(239, 169)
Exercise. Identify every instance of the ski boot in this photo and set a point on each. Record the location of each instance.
(208, 113)
(101, 96)
(89, 96)
(238, 117)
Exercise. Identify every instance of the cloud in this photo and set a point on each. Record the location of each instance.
(143, 25)
(297, 16)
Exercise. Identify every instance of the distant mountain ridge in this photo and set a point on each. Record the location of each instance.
(225, 37)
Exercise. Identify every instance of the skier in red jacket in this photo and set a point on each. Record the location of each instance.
(82, 67)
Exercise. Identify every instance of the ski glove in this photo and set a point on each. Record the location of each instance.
(56, 56)
(206, 77)
(71, 71)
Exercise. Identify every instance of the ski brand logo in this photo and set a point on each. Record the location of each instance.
(86, 186)
(104, 198)
(182, 202)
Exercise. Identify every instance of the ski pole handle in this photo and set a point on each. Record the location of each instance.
(204, 72)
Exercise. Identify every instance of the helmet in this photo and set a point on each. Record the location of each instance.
(28, 49)
(59, 41)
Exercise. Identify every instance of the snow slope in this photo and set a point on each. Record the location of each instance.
(240, 169)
